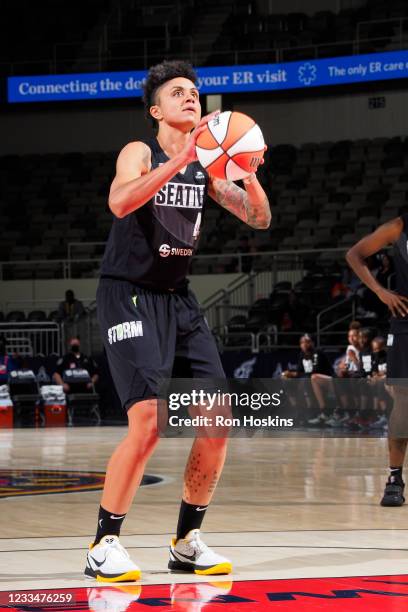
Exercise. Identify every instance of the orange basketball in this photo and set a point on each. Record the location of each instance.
(231, 147)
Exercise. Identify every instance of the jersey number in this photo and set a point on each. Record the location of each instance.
(196, 229)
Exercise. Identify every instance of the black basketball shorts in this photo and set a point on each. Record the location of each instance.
(142, 332)
(397, 359)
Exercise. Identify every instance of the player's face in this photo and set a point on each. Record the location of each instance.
(353, 337)
(306, 345)
(377, 346)
(178, 104)
(364, 340)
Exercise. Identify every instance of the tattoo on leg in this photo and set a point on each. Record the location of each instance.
(213, 482)
(193, 476)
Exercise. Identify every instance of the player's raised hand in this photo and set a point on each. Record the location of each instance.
(189, 154)
(398, 304)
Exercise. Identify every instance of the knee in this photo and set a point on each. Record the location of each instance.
(143, 425)
(143, 444)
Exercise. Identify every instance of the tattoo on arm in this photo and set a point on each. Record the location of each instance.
(236, 200)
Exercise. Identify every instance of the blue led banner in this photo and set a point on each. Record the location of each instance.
(216, 80)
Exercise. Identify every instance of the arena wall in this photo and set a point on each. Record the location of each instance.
(284, 120)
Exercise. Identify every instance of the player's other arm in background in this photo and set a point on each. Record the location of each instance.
(251, 204)
(369, 245)
(135, 183)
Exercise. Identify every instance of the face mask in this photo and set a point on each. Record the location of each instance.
(75, 348)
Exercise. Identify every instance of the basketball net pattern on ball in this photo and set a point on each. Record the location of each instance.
(231, 147)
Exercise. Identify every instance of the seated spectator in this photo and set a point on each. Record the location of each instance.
(71, 309)
(7, 363)
(348, 367)
(339, 291)
(365, 372)
(382, 399)
(314, 365)
(379, 357)
(74, 359)
(365, 353)
(385, 271)
(293, 314)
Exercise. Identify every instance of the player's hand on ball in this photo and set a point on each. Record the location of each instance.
(189, 153)
(398, 304)
(261, 163)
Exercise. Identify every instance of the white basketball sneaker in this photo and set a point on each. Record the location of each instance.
(190, 554)
(108, 561)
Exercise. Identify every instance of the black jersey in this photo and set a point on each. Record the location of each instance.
(315, 362)
(379, 361)
(366, 362)
(401, 273)
(153, 245)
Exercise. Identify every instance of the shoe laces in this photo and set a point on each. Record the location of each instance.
(117, 547)
(197, 544)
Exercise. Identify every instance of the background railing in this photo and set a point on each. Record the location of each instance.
(262, 272)
(278, 263)
(28, 339)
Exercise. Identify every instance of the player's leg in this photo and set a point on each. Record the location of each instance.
(126, 465)
(397, 447)
(203, 470)
(107, 560)
(321, 384)
(130, 324)
(397, 385)
(207, 455)
(381, 403)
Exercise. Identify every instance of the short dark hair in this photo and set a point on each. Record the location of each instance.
(160, 74)
(367, 332)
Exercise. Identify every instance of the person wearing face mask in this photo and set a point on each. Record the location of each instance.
(74, 359)
(71, 309)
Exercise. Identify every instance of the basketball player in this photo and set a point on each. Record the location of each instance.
(394, 232)
(146, 311)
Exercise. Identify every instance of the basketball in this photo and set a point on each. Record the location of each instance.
(231, 147)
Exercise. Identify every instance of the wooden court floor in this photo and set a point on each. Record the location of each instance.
(285, 509)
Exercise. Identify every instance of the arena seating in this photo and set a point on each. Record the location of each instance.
(323, 195)
(296, 34)
(137, 34)
(30, 46)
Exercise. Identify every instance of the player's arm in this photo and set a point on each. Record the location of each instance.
(356, 257)
(353, 357)
(135, 183)
(251, 204)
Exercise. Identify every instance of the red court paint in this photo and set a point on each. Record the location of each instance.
(354, 594)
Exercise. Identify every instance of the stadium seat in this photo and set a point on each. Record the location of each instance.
(15, 316)
(36, 316)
